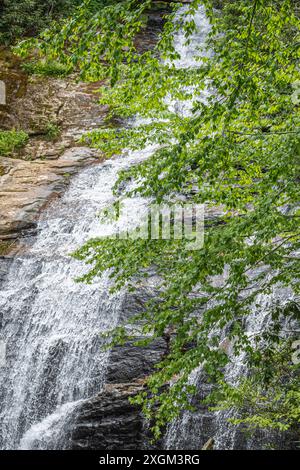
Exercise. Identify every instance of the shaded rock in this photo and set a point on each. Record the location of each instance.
(32, 102)
(109, 421)
(15, 84)
(5, 264)
(129, 362)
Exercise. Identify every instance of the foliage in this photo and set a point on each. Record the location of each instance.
(77, 42)
(5, 246)
(48, 68)
(269, 396)
(11, 141)
(52, 131)
(19, 18)
(239, 148)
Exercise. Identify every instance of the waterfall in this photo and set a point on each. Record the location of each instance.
(52, 325)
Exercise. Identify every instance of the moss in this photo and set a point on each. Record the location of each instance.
(11, 141)
(2, 170)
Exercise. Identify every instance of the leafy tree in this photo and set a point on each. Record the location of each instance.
(20, 18)
(239, 148)
(268, 398)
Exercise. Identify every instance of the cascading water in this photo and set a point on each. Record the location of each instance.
(51, 325)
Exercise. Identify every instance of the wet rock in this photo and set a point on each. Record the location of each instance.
(129, 362)
(5, 264)
(109, 421)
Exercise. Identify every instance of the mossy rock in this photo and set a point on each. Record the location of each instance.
(2, 170)
(5, 247)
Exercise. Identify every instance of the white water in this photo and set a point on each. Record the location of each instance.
(190, 54)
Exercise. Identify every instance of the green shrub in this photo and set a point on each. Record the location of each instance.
(52, 131)
(11, 141)
(46, 68)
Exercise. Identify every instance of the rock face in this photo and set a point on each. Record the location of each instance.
(108, 421)
(33, 102)
(25, 187)
(42, 168)
(130, 363)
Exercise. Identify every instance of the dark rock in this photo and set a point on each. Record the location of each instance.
(5, 264)
(131, 362)
(109, 421)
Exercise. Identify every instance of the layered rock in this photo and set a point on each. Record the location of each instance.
(25, 188)
(40, 171)
(109, 421)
